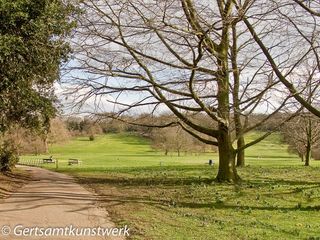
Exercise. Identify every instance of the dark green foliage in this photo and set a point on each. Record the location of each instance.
(32, 48)
(8, 156)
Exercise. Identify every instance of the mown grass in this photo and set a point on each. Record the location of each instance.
(116, 151)
(127, 150)
(278, 198)
(183, 202)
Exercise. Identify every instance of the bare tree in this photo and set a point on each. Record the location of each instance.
(302, 134)
(35, 142)
(26, 140)
(58, 132)
(189, 58)
(174, 139)
(300, 21)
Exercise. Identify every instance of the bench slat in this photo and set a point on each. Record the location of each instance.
(74, 161)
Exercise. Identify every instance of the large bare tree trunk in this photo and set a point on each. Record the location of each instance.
(236, 99)
(227, 167)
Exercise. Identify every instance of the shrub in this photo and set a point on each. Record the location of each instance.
(91, 137)
(8, 156)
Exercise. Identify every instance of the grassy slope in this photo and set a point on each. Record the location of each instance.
(279, 198)
(117, 151)
(124, 150)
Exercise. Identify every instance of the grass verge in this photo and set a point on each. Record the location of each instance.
(183, 202)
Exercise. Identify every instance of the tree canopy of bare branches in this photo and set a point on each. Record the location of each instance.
(302, 135)
(226, 59)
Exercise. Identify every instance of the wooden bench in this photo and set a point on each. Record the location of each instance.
(48, 160)
(72, 161)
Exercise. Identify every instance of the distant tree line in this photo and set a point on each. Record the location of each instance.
(29, 141)
(302, 133)
(168, 140)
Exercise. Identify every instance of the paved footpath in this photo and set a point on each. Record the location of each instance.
(53, 201)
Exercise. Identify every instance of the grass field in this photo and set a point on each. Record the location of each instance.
(279, 198)
(127, 150)
(117, 151)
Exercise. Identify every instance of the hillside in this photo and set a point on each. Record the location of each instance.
(127, 150)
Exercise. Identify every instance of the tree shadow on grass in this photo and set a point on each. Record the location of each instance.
(165, 205)
(155, 201)
(247, 207)
(172, 182)
(159, 179)
(145, 185)
(259, 182)
(147, 181)
(202, 168)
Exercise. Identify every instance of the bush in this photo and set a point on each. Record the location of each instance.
(8, 156)
(91, 137)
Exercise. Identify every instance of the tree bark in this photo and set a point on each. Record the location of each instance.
(307, 161)
(236, 100)
(227, 167)
(308, 148)
(45, 142)
(241, 153)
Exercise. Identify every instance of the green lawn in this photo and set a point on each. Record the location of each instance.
(117, 151)
(126, 150)
(279, 198)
